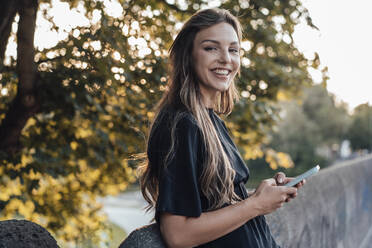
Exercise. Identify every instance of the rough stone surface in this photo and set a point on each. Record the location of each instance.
(147, 236)
(24, 234)
(334, 209)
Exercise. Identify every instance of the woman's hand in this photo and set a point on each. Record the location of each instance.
(270, 197)
(281, 179)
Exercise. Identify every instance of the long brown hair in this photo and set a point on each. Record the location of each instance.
(217, 176)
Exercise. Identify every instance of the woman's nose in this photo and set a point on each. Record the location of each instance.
(224, 57)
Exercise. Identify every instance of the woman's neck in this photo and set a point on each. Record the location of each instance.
(208, 99)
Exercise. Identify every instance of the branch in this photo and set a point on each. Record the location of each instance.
(8, 11)
(49, 60)
(6, 68)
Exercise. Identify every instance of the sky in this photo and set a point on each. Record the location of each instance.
(344, 44)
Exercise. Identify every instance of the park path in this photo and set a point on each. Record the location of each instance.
(127, 210)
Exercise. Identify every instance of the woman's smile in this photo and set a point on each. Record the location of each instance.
(221, 73)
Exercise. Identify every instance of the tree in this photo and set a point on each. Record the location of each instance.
(310, 124)
(360, 130)
(332, 119)
(73, 115)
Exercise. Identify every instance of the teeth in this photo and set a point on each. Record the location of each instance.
(221, 71)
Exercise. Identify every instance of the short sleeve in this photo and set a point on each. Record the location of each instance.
(179, 187)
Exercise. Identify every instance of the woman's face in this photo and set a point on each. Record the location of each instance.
(216, 58)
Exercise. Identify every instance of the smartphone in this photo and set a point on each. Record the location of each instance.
(303, 176)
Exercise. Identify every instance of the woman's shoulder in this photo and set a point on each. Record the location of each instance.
(173, 123)
(181, 117)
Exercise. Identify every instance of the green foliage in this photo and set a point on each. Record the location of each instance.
(98, 87)
(360, 130)
(118, 235)
(310, 129)
(332, 120)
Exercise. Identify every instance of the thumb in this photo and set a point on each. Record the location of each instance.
(279, 177)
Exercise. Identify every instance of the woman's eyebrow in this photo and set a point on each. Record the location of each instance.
(217, 42)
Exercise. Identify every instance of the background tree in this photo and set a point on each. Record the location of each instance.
(312, 128)
(332, 118)
(360, 130)
(72, 115)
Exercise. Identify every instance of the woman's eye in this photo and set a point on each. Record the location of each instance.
(209, 48)
(234, 50)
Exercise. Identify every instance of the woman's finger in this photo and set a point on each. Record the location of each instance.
(280, 178)
(300, 184)
(288, 179)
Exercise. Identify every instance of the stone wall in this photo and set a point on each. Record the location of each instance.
(334, 209)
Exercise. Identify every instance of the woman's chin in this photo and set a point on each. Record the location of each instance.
(224, 86)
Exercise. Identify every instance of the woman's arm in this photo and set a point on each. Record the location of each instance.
(180, 231)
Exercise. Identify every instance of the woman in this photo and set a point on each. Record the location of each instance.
(195, 176)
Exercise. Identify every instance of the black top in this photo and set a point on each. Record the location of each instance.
(179, 189)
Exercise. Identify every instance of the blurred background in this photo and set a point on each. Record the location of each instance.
(79, 80)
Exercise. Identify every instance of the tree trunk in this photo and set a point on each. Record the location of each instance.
(25, 104)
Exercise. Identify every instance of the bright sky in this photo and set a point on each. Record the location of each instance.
(343, 44)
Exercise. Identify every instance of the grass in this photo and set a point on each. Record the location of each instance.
(118, 235)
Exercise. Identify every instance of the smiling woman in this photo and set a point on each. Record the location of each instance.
(217, 60)
(195, 176)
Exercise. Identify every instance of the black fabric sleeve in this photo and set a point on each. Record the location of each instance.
(179, 191)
